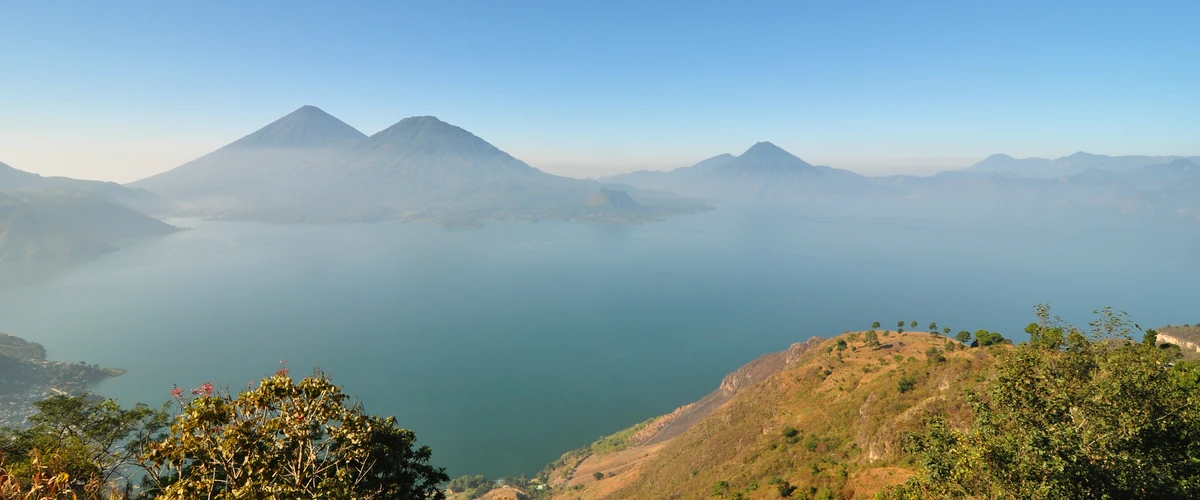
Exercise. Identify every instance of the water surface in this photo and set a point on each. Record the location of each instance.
(505, 346)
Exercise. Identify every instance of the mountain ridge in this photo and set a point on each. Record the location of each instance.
(1076, 163)
(68, 226)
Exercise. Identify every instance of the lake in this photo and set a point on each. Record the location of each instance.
(504, 347)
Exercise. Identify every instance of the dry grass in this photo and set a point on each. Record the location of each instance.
(849, 416)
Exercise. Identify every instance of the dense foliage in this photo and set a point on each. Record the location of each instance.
(82, 442)
(280, 440)
(1071, 415)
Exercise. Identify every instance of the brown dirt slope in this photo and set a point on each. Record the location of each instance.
(752, 373)
(824, 420)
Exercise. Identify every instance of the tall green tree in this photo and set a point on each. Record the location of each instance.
(871, 338)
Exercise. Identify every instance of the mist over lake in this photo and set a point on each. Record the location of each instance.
(506, 345)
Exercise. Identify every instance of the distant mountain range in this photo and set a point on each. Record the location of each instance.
(311, 167)
(1078, 163)
(1000, 184)
(12, 179)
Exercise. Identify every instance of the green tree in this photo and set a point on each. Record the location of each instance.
(285, 439)
(946, 331)
(933, 328)
(913, 324)
(899, 324)
(1071, 415)
(984, 338)
(875, 325)
(871, 338)
(90, 439)
(963, 336)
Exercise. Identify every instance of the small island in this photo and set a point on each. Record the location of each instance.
(26, 376)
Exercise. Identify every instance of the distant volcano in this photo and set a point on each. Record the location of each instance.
(763, 171)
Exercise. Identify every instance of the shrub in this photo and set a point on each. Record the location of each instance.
(906, 384)
(790, 432)
(598, 475)
(720, 487)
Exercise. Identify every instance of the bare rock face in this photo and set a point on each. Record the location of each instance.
(1186, 337)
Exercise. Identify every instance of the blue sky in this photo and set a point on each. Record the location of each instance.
(125, 90)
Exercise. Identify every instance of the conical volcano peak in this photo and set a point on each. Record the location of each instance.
(429, 134)
(422, 125)
(306, 127)
(765, 147)
(767, 155)
(427, 146)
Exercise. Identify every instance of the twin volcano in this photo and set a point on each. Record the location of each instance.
(311, 167)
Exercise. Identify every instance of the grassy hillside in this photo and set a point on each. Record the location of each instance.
(827, 424)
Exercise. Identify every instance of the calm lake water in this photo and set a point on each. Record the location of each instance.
(506, 346)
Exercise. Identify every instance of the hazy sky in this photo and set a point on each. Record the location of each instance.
(128, 89)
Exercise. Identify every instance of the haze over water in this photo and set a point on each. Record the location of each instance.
(505, 346)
